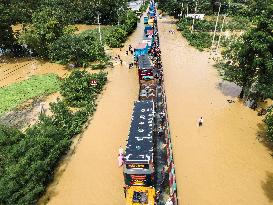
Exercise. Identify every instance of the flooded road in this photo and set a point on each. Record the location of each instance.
(91, 175)
(17, 69)
(221, 162)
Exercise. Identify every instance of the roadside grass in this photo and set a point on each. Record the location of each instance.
(17, 93)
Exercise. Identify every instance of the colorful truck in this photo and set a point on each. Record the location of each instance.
(147, 28)
(145, 68)
(141, 49)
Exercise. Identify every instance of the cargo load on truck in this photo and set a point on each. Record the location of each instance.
(147, 90)
(145, 68)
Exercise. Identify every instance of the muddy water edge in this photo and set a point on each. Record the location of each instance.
(91, 175)
(221, 162)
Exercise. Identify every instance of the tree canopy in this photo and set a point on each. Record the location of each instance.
(250, 59)
(46, 19)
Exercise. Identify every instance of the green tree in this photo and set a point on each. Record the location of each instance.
(47, 26)
(250, 60)
(77, 49)
(269, 125)
(6, 35)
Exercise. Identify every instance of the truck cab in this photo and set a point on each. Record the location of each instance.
(136, 195)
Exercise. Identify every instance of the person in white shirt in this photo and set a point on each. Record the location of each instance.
(169, 202)
(200, 121)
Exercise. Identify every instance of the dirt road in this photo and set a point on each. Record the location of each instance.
(221, 162)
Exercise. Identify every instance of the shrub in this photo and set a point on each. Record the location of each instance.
(198, 39)
(116, 37)
(269, 125)
(144, 6)
(77, 89)
(27, 161)
(77, 49)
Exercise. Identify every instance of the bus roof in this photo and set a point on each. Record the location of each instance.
(139, 148)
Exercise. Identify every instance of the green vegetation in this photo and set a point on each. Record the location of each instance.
(117, 35)
(77, 49)
(199, 38)
(47, 26)
(79, 96)
(47, 21)
(144, 7)
(248, 61)
(52, 38)
(17, 93)
(269, 125)
(28, 160)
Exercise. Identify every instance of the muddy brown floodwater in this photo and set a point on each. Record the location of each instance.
(91, 175)
(18, 69)
(221, 162)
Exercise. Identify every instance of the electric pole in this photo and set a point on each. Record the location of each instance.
(222, 26)
(99, 26)
(195, 10)
(215, 28)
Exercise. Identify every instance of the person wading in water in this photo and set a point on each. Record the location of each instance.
(200, 121)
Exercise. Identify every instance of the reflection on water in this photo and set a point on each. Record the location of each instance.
(268, 186)
(229, 89)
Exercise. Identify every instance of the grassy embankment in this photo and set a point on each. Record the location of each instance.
(17, 93)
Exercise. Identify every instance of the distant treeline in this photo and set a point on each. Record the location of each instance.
(47, 32)
(53, 15)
